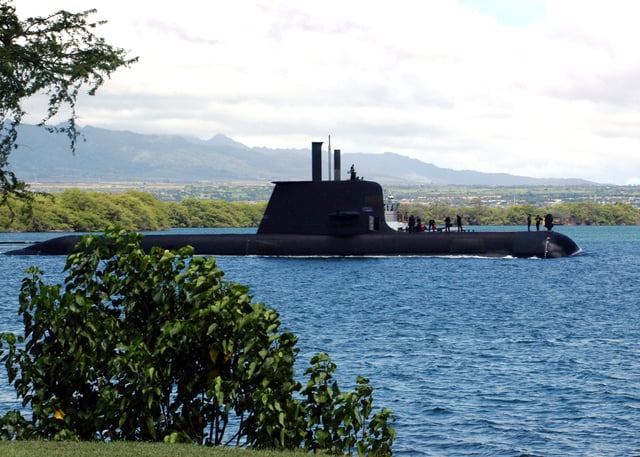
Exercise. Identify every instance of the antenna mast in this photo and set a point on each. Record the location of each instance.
(329, 160)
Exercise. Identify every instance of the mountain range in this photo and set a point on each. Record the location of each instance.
(121, 156)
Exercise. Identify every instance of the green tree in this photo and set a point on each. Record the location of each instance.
(158, 346)
(56, 55)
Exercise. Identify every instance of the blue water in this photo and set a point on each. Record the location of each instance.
(475, 356)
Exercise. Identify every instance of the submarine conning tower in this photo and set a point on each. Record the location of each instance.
(317, 207)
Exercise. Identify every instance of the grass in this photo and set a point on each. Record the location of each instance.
(127, 449)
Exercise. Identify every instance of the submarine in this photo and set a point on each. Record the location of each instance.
(337, 217)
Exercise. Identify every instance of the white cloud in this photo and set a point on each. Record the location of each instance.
(450, 83)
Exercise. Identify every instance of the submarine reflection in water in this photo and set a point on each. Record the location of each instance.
(339, 218)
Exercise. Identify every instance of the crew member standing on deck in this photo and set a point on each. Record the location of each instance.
(528, 222)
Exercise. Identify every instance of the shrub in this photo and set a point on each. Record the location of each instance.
(159, 346)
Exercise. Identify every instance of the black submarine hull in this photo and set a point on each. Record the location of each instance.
(483, 244)
(340, 218)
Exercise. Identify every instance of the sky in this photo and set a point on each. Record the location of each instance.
(540, 88)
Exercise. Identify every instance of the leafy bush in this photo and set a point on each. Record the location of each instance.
(159, 346)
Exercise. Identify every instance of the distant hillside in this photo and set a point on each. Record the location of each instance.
(107, 156)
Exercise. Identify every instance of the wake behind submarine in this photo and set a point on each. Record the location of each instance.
(339, 218)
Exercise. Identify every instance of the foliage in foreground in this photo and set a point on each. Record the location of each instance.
(160, 347)
(55, 55)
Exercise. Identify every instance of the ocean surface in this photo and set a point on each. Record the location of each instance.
(475, 356)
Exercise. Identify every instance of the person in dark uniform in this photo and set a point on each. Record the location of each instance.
(459, 222)
(447, 224)
(528, 222)
(538, 220)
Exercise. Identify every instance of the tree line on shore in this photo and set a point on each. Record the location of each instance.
(574, 213)
(84, 211)
(80, 211)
